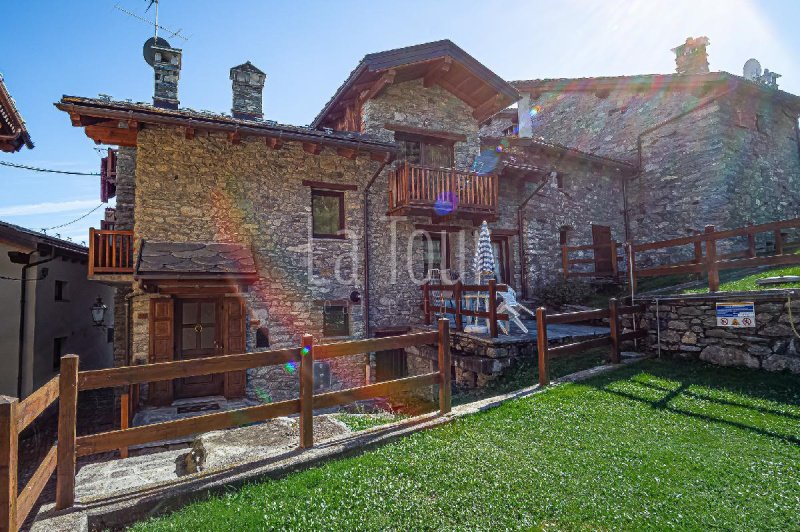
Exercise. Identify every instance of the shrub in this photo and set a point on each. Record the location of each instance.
(562, 292)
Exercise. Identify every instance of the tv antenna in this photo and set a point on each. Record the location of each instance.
(154, 23)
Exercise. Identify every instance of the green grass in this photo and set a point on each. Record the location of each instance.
(656, 445)
(748, 282)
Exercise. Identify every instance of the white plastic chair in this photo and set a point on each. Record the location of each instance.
(512, 307)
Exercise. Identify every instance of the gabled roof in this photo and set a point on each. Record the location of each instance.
(117, 123)
(13, 132)
(31, 239)
(440, 62)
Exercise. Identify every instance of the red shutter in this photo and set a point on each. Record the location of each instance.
(108, 176)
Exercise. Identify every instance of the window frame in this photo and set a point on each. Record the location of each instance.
(347, 325)
(444, 252)
(339, 235)
(60, 290)
(402, 138)
(505, 263)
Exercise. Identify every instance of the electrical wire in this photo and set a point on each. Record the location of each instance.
(48, 170)
(44, 229)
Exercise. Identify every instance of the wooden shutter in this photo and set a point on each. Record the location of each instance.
(235, 342)
(162, 346)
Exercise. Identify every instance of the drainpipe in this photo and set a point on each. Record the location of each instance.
(365, 299)
(521, 229)
(22, 300)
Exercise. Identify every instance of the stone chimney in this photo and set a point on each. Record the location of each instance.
(691, 57)
(248, 85)
(167, 67)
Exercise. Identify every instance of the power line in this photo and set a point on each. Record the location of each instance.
(36, 169)
(45, 229)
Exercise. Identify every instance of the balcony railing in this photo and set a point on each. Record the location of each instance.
(110, 251)
(419, 190)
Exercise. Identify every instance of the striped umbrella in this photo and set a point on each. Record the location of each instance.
(484, 255)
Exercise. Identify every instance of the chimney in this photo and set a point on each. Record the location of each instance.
(247, 84)
(167, 67)
(691, 57)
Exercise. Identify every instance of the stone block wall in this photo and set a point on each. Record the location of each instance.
(688, 329)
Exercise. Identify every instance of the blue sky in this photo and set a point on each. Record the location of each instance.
(307, 48)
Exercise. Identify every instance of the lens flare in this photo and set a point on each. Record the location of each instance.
(535, 110)
(486, 162)
(306, 350)
(290, 367)
(446, 203)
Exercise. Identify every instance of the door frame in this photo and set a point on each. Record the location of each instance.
(218, 379)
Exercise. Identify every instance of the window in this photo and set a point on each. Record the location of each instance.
(335, 320)
(560, 181)
(437, 253)
(500, 250)
(61, 291)
(563, 235)
(435, 153)
(110, 335)
(327, 214)
(58, 351)
(262, 337)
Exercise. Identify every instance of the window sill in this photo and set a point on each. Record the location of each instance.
(329, 237)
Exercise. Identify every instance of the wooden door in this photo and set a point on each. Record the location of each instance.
(235, 342)
(601, 234)
(162, 347)
(198, 335)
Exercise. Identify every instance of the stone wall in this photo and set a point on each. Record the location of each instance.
(688, 329)
(209, 189)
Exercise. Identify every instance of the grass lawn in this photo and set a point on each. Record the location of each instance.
(748, 282)
(655, 445)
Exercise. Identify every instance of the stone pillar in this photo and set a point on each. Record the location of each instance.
(248, 86)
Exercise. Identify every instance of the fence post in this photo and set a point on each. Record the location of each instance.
(307, 392)
(613, 325)
(698, 252)
(124, 413)
(67, 419)
(457, 295)
(711, 260)
(778, 242)
(492, 307)
(426, 302)
(541, 344)
(614, 264)
(8, 463)
(751, 243)
(445, 390)
(565, 261)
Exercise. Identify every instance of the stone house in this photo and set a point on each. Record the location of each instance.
(236, 233)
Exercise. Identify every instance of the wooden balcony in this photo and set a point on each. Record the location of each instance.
(442, 193)
(110, 252)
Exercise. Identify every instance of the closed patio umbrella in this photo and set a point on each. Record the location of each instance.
(483, 264)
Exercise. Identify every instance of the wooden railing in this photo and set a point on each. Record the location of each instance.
(14, 417)
(615, 259)
(454, 294)
(110, 251)
(711, 262)
(614, 338)
(414, 188)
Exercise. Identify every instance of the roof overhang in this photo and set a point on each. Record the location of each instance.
(436, 63)
(13, 132)
(118, 123)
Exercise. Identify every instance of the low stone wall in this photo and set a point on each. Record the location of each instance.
(688, 328)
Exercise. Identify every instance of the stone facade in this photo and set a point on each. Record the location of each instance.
(687, 328)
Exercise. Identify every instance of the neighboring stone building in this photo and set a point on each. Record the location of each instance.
(236, 233)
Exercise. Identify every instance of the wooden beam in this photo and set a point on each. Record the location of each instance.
(487, 107)
(384, 81)
(234, 137)
(329, 186)
(112, 135)
(347, 153)
(385, 158)
(312, 147)
(273, 142)
(425, 132)
(189, 133)
(436, 72)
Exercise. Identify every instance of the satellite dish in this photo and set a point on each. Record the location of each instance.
(751, 70)
(148, 52)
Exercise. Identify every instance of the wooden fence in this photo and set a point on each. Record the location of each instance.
(614, 338)
(15, 416)
(705, 258)
(455, 295)
(614, 259)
